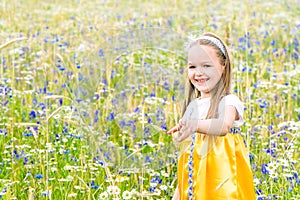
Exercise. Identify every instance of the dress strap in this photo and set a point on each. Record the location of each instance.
(235, 130)
(191, 168)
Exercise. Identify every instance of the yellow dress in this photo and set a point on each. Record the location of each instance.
(221, 167)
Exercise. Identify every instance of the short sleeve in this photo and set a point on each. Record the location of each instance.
(233, 100)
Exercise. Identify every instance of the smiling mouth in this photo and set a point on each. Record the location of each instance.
(201, 80)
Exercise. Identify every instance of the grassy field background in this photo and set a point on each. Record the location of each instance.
(89, 88)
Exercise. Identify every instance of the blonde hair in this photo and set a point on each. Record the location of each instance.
(221, 89)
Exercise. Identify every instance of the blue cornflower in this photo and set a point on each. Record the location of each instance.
(244, 69)
(166, 86)
(104, 81)
(96, 96)
(101, 53)
(27, 134)
(173, 98)
(39, 176)
(264, 168)
(262, 106)
(137, 109)
(152, 189)
(274, 50)
(32, 115)
(148, 159)
(164, 126)
(25, 160)
(251, 157)
(295, 56)
(273, 42)
(93, 186)
(122, 123)
(111, 116)
(3, 131)
(101, 163)
(147, 132)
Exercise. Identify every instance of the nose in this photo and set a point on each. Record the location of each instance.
(199, 71)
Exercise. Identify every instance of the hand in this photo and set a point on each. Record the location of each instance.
(188, 127)
(174, 129)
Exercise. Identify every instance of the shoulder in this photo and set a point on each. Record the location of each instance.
(231, 99)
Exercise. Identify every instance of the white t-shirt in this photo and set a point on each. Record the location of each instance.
(198, 108)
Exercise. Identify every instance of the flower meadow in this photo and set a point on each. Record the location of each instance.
(88, 90)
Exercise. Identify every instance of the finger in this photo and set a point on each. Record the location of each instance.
(182, 123)
(181, 134)
(183, 128)
(173, 130)
(184, 133)
(181, 137)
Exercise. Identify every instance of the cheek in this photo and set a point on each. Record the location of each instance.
(221, 69)
(190, 74)
(216, 72)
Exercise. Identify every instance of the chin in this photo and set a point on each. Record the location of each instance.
(203, 88)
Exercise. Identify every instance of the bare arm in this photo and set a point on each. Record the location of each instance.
(176, 195)
(220, 126)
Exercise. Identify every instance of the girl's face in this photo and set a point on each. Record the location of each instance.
(204, 68)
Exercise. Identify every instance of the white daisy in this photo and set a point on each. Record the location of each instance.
(163, 187)
(157, 192)
(274, 175)
(103, 195)
(288, 175)
(72, 195)
(153, 184)
(164, 174)
(256, 181)
(284, 162)
(127, 195)
(272, 166)
(113, 190)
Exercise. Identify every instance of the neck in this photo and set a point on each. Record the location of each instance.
(204, 95)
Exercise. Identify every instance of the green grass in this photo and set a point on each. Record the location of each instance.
(89, 88)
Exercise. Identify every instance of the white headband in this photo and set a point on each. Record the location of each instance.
(213, 40)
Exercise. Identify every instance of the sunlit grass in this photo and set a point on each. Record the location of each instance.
(88, 90)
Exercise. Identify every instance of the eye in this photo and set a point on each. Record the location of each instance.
(206, 66)
(192, 67)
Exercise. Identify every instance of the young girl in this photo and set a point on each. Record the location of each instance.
(213, 161)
